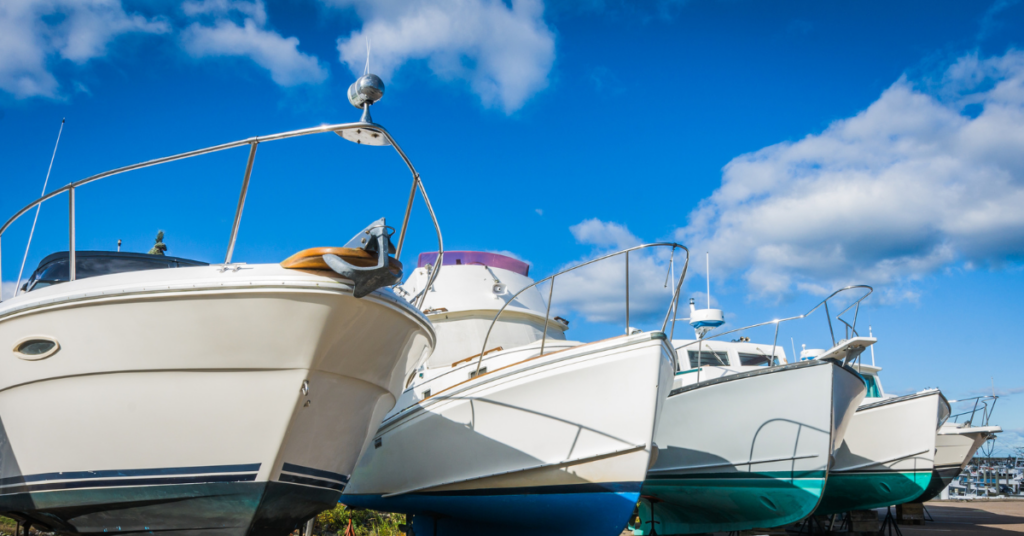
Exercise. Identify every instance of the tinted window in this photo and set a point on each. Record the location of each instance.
(707, 357)
(756, 360)
(92, 265)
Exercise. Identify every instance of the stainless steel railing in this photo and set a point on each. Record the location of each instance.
(417, 184)
(986, 410)
(672, 309)
(777, 322)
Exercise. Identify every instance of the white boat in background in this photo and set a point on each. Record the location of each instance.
(887, 456)
(150, 394)
(956, 443)
(745, 438)
(510, 428)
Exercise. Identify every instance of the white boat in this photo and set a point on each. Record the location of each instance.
(746, 437)
(510, 428)
(888, 453)
(956, 443)
(154, 394)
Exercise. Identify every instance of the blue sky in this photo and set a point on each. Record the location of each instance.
(805, 145)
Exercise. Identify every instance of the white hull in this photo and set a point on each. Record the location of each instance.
(180, 386)
(746, 447)
(887, 455)
(955, 445)
(562, 441)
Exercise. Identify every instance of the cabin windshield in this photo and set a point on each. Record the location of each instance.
(872, 383)
(757, 360)
(54, 268)
(699, 358)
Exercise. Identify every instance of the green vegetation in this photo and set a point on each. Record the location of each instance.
(364, 522)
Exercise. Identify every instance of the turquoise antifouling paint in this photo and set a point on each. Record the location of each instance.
(726, 502)
(867, 490)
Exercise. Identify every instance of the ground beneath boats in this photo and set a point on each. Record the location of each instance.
(954, 518)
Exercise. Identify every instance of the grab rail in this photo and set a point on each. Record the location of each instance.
(824, 302)
(672, 309)
(986, 410)
(252, 143)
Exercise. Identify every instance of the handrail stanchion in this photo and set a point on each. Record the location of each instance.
(547, 315)
(775, 341)
(71, 233)
(627, 293)
(241, 202)
(829, 318)
(405, 220)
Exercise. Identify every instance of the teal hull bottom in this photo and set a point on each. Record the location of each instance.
(865, 490)
(726, 502)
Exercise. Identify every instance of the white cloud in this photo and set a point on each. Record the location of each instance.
(78, 31)
(7, 289)
(910, 185)
(268, 49)
(602, 234)
(504, 52)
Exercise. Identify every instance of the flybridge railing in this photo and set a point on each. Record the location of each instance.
(986, 410)
(670, 314)
(358, 127)
(850, 328)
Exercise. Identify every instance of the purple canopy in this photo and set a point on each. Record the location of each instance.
(494, 260)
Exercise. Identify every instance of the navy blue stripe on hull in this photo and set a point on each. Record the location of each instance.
(118, 482)
(292, 468)
(311, 481)
(80, 475)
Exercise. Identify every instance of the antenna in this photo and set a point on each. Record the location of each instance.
(793, 346)
(366, 70)
(872, 347)
(17, 282)
(707, 257)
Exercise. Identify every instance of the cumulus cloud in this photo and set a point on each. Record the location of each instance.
(918, 181)
(7, 289)
(598, 291)
(268, 49)
(77, 31)
(504, 51)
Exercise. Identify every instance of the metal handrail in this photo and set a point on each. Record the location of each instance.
(252, 143)
(777, 321)
(672, 309)
(986, 411)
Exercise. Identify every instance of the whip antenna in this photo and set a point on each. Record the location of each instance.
(366, 70)
(17, 282)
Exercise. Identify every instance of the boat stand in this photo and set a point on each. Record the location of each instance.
(889, 525)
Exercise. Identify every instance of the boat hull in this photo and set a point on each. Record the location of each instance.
(560, 443)
(236, 408)
(887, 455)
(954, 448)
(764, 466)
